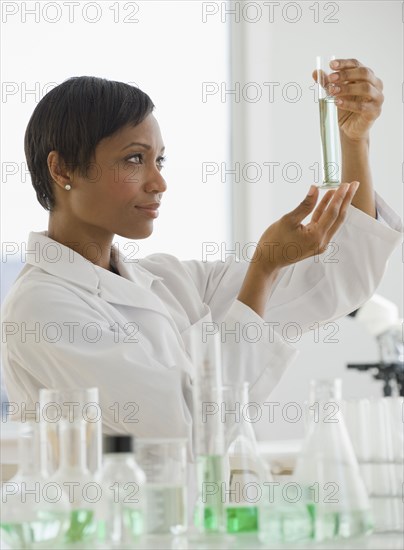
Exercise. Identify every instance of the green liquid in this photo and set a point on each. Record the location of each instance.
(242, 519)
(134, 521)
(44, 532)
(330, 141)
(333, 525)
(209, 515)
(297, 522)
(81, 527)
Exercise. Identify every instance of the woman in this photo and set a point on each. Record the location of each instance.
(81, 314)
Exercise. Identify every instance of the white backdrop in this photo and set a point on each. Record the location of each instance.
(168, 52)
(277, 44)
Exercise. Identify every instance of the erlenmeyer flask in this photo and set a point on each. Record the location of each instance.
(245, 469)
(327, 470)
(34, 513)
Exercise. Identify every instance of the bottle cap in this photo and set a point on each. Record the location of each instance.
(118, 444)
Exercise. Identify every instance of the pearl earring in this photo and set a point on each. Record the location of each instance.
(68, 187)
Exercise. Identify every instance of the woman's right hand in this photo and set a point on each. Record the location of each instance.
(288, 241)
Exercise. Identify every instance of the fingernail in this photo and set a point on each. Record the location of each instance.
(311, 190)
(334, 64)
(355, 184)
(345, 187)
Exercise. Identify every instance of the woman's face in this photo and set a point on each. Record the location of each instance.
(122, 189)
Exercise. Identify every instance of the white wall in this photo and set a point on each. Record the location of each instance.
(168, 52)
(284, 132)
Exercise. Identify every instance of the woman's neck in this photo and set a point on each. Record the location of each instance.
(90, 242)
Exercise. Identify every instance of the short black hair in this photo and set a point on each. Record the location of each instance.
(72, 119)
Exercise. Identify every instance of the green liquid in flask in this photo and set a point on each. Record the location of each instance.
(242, 519)
(82, 526)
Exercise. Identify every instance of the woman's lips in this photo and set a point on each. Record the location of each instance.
(150, 210)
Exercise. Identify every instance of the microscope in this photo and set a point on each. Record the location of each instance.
(380, 318)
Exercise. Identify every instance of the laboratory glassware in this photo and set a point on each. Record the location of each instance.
(208, 431)
(34, 514)
(377, 432)
(284, 516)
(164, 462)
(72, 404)
(245, 470)
(329, 130)
(123, 493)
(327, 470)
(77, 482)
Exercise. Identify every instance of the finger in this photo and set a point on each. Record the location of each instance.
(362, 89)
(322, 206)
(360, 74)
(343, 210)
(331, 214)
(359, 105)
(297, 215)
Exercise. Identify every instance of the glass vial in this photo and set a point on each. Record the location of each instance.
(123, 502)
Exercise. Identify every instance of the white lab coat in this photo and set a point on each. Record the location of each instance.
(83, 321)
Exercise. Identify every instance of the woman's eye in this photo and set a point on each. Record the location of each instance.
(135, 159)
(160, 162)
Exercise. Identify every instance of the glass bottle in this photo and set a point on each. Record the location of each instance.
(34, 515)
(77, 482)
(123, 483)
(245, 470)
(327, 470)
(208, 433)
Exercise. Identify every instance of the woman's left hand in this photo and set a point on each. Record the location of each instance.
(359, 97)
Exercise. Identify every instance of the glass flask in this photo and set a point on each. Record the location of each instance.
(208, 433)
(329, 130)
(76, 481)
(327, 471)
(245, 470)
(123, 502)
(34, 512)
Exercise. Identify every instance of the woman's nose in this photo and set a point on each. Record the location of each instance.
(156, 183)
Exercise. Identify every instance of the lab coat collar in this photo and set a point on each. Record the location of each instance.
(61, 261)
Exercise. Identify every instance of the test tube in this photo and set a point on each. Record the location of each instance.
(329, 131)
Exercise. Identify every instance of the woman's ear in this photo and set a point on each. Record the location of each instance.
(59, 170)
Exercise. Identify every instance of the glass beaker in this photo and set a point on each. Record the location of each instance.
(33, 514)
(208, 431)
(328, 471)
(70, 404)
(329, 130)
(164, 462)
(245, 470)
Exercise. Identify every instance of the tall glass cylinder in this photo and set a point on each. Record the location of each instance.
(208, 431)
(77, 482)
(329, 130)
(71, 404)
